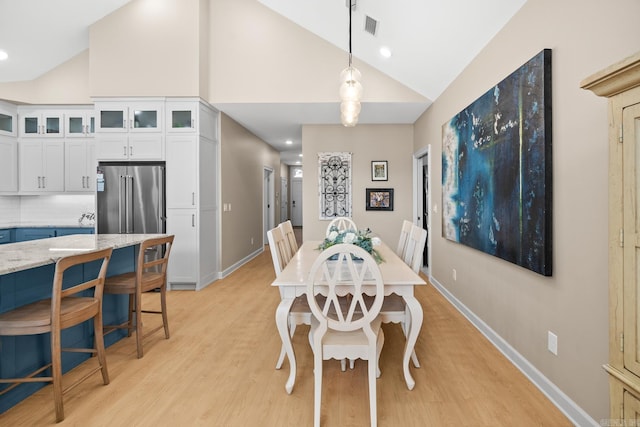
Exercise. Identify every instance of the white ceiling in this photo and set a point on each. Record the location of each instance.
(431, 41)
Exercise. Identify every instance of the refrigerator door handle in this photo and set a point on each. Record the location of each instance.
(129, 212)
(121, 202)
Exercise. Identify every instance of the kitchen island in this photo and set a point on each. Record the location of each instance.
(26, 276)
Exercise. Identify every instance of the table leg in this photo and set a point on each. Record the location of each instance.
(282, 316)
(415, 311)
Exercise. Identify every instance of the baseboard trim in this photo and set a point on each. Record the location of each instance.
(567, 406)
(243, 261)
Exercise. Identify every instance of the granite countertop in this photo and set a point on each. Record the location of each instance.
(35, 253)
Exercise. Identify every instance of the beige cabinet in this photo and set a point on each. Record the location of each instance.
(621, 84)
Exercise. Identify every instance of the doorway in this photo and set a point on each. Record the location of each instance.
(422, 201)
(267, 203)
(284, 199)
(296, 202)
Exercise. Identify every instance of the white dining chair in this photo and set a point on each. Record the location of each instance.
(342, 330)
(342, 223)
(394, 309)
(289, 236)
(299, 314)
(404, 238)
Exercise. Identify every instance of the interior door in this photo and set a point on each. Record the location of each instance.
(284, 199)
(296, 202)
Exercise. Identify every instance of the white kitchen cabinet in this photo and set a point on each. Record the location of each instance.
(192, 168)
(183, 261)
(182, 116)
(80, 165)
(41, 165)
(182, 173)
(40, 123)
(136, 116)
(130, 130)
(80, 124)
(8, 164)
(8, 119)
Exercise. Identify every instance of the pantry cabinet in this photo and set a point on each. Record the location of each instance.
(621, 84)
(191, 159)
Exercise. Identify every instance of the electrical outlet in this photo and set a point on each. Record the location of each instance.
(252, 241)
(455, 275)
(552, 342)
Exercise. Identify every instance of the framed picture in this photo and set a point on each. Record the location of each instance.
(496, 170)
(379, 199)
(379, 170)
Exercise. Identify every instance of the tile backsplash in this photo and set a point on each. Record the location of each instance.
(60, 210)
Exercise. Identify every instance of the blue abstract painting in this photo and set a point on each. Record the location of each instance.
(496, 169)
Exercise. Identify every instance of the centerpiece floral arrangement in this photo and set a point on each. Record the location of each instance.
(361, 238)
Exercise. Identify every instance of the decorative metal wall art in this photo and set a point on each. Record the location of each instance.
(334, 182)
(496, 169)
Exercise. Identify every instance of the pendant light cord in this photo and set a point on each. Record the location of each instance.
(350, 8)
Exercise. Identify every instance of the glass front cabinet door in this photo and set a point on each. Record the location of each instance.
(80, 124)
(7, 122)
(41, 123)
(134, 117)
(182, 116)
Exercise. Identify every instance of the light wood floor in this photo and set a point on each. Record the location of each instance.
(217, 369)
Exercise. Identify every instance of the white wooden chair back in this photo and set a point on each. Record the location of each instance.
(279, 249)
(342, 223)
(404, 238)
(415, 248)
(335, 278)
(289, 236)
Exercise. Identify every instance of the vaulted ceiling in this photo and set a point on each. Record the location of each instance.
(431, 42)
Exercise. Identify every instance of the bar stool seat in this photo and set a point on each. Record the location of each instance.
(66, 308)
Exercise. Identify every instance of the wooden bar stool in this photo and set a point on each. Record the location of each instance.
(150, 275)
(66, 308)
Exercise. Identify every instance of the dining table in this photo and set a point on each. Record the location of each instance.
(397, 276)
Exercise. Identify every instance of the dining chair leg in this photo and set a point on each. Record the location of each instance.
(99, 344)
(372, 368)
(56, 373)
(317, 396)
(163, 303)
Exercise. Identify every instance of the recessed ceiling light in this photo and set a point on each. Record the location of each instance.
(300, 155)
(3, 55)
(385, 52)
(289, 142)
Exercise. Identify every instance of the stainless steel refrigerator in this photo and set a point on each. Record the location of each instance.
(131, 197)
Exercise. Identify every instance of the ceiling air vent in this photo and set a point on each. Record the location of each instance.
(370, 25)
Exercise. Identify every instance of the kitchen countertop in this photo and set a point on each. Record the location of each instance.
(35, 253)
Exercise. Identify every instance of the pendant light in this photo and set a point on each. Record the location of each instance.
(350, 87)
